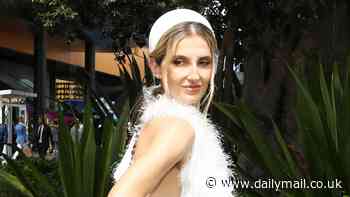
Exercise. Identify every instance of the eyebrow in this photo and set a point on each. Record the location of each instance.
(185, 57)
(205, 58)
(179, 56)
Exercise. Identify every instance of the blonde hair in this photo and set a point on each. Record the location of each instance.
(165, 49)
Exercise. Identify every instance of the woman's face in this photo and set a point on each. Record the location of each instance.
(186, 75)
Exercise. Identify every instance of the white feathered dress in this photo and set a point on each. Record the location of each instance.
(206, 173)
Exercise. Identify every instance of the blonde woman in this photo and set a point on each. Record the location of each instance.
(175, 150)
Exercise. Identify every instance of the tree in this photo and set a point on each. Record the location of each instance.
(267, 36)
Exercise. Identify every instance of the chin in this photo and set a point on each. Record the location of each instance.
(192, 100)
(189, 99)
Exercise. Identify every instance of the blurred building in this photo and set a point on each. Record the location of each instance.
(66, 66)
(49, 70)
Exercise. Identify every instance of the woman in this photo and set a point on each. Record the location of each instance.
(175, 151)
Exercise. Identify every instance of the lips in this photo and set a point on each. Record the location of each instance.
(193, 89)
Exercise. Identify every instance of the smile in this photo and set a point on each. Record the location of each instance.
(192, 89)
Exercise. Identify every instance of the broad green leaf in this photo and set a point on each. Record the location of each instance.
(238, 135)
(15, 183)
(337, 81)
(227, 110)
(87, 122)
(66, 159)
(329, 109)
(135, 70)
(41, 179)
(104, 158)
(310, 120)
(88, 160)
(20, 174)
(121, 133)
(272, 160)
(290, 162)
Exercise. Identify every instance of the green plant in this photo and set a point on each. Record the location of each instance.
(30, 177)
(84, 168)
(322, 149)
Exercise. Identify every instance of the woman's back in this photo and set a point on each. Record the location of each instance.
(170, 185)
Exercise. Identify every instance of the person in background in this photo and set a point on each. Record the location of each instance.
(21, 133)
(3, 136)
(32, 136)
(54, 132)
(22, 138)
(44, 137)
(76, 131)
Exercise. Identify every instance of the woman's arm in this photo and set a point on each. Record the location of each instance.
(163, 143)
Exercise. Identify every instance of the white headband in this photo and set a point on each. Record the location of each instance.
(170, 19)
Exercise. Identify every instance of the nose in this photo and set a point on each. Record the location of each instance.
(194, 73)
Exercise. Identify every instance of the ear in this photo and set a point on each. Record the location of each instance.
(155, 68)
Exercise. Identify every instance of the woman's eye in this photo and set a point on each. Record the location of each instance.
(178, 62)
(204, 63)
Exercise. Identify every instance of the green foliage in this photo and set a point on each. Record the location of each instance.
(31, 177)
(134, 82)
(83, 168)
(50, 13)
(9, 180)
(322, 150)
(89, 164)
(129, 18)
(118, 20)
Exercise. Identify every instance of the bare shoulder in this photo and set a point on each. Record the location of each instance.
(175, 134)
(163, 143)
(168, 124)
(170, 127)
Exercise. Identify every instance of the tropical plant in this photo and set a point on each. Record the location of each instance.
(30, 177)
(321, 151)
(84, 167)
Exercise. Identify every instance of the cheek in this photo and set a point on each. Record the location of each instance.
(171, 78)
(206, 76)
(175, 76)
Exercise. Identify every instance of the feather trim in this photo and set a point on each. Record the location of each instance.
(207, 161)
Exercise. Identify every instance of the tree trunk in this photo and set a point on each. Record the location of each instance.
(41, 76)
(90, 54)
